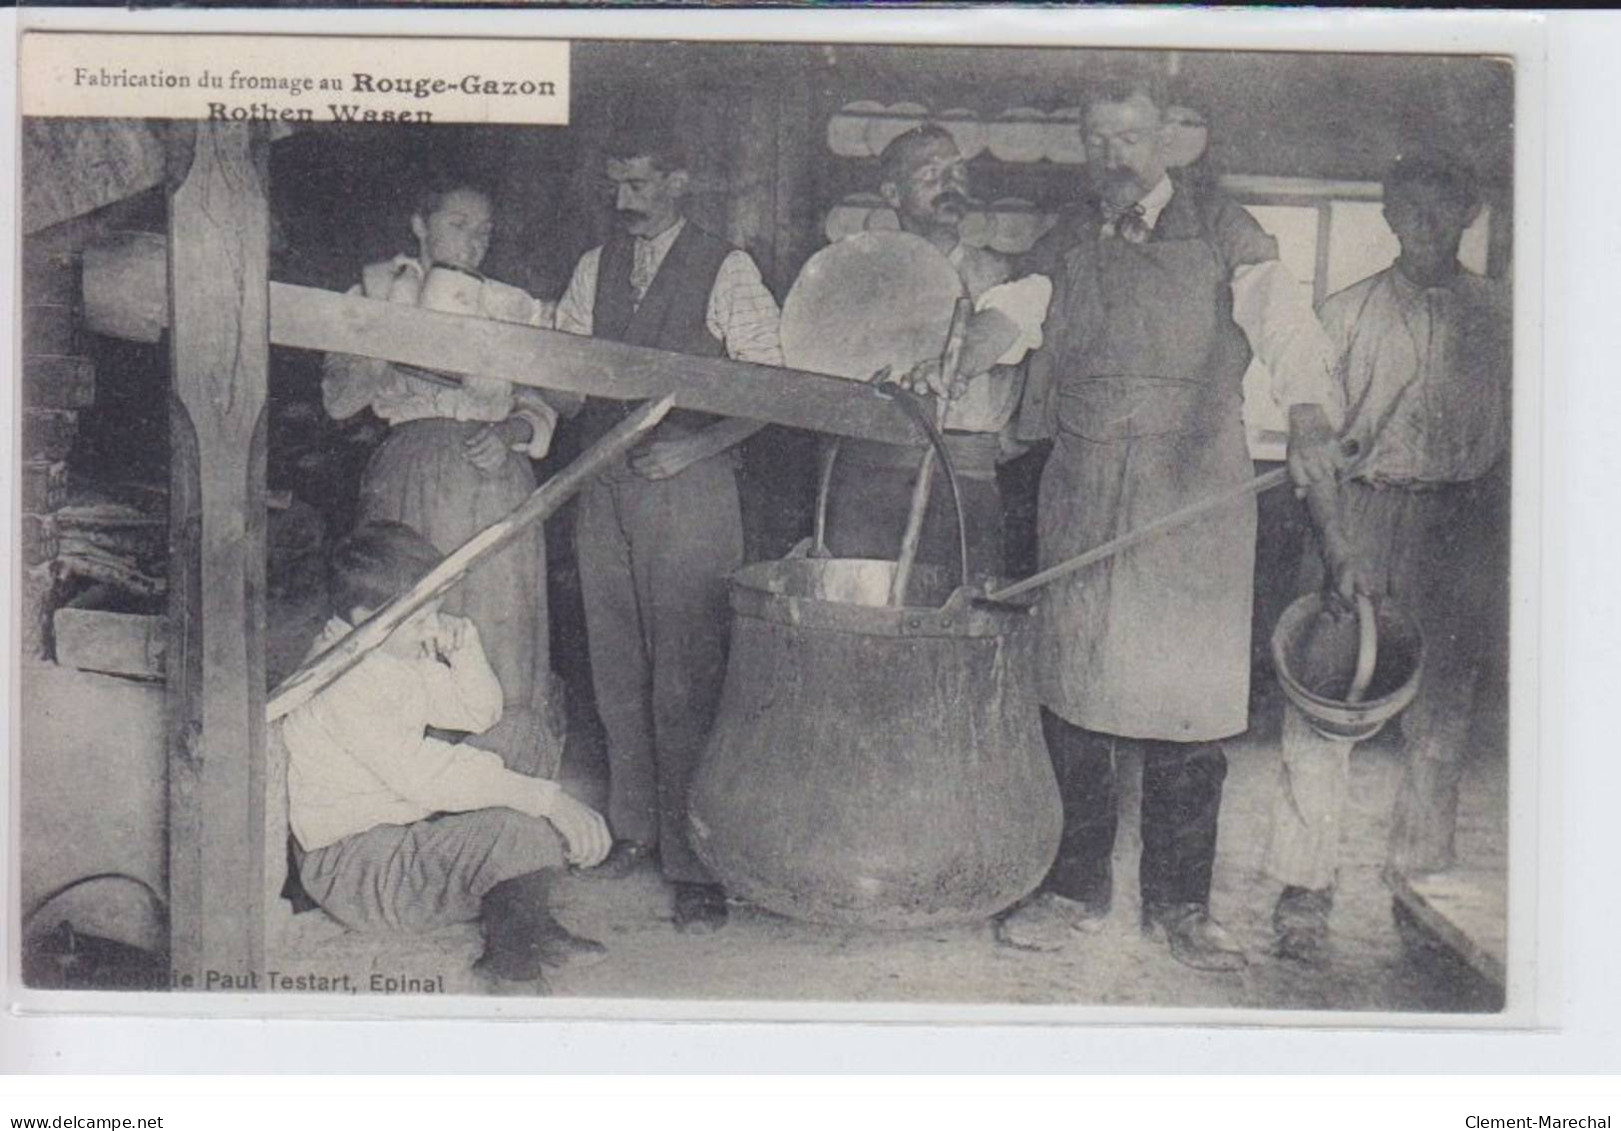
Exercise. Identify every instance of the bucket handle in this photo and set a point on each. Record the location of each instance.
(818, 546)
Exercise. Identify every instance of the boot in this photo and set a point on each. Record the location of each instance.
(1300, 924)
(1195, 939)
(700, 909)
(521, 937)
(1049, 922)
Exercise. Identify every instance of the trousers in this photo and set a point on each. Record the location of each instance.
(1181, 801)
(1441, 555)
(428, 874)
(654, 561)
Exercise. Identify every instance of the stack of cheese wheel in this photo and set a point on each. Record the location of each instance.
(1018, 135)
(859, 212)
(1064, 145)
(965, 129)
(889, 124)
(847, 130)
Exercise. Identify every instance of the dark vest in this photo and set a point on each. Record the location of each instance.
(672, 315)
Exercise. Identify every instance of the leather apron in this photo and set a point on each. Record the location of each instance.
(1148, 367)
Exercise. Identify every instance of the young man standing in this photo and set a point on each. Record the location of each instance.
(1423, 358)
(658, 534)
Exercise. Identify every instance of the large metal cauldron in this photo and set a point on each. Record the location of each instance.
(871, 765)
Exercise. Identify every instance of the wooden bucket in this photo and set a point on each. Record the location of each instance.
(875, 766)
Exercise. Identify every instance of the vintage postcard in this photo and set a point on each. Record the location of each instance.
(1029, 518)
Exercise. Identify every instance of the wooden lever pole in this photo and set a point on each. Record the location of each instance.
(300, 687)
(950, 361)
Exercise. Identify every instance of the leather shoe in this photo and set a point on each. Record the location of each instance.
(1050, 921)
(564, 948)
(699, 908)
(1196, 940)
(1300, 925)
(625, 857)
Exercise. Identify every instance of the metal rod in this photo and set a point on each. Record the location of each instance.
(1142, 534)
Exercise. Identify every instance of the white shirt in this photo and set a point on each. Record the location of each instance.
(741, 313)
(358, 757)
(1149, 206)
(991, 397)
(1426, 373)
(350, 383)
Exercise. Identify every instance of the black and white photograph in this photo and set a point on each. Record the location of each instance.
(809, 524)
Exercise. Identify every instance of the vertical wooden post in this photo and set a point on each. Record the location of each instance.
(219, 873)
(796, 208)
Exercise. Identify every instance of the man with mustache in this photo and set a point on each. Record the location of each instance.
(1162, 290)
(924, 178)
(658, 534)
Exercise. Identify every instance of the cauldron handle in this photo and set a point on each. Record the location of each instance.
(818, 547)
(939, 442)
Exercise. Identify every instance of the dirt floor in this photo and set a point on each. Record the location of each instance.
(760, 956)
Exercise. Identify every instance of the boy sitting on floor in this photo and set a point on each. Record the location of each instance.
(401, 830)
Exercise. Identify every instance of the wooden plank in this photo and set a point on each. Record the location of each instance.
(304, 684)
(1467, 909)
(322, 320)
(44, 485)
(72, 166)
(118, 275)
(96, 640)
(219, 259)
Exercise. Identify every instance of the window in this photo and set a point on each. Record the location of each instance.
(1332, 234)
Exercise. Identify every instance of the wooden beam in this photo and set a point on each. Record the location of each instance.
(219, 873)
(117, 275)
(321, 320)
(75, 166)
(72, 166)
(1466, 908)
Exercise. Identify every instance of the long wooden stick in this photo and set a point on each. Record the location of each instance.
(298, 688)
(121, 278)
(1142, 534)
(950, 361)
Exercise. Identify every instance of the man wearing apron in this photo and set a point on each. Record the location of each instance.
(658, 535)
(923, 177)
(1159, 299)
